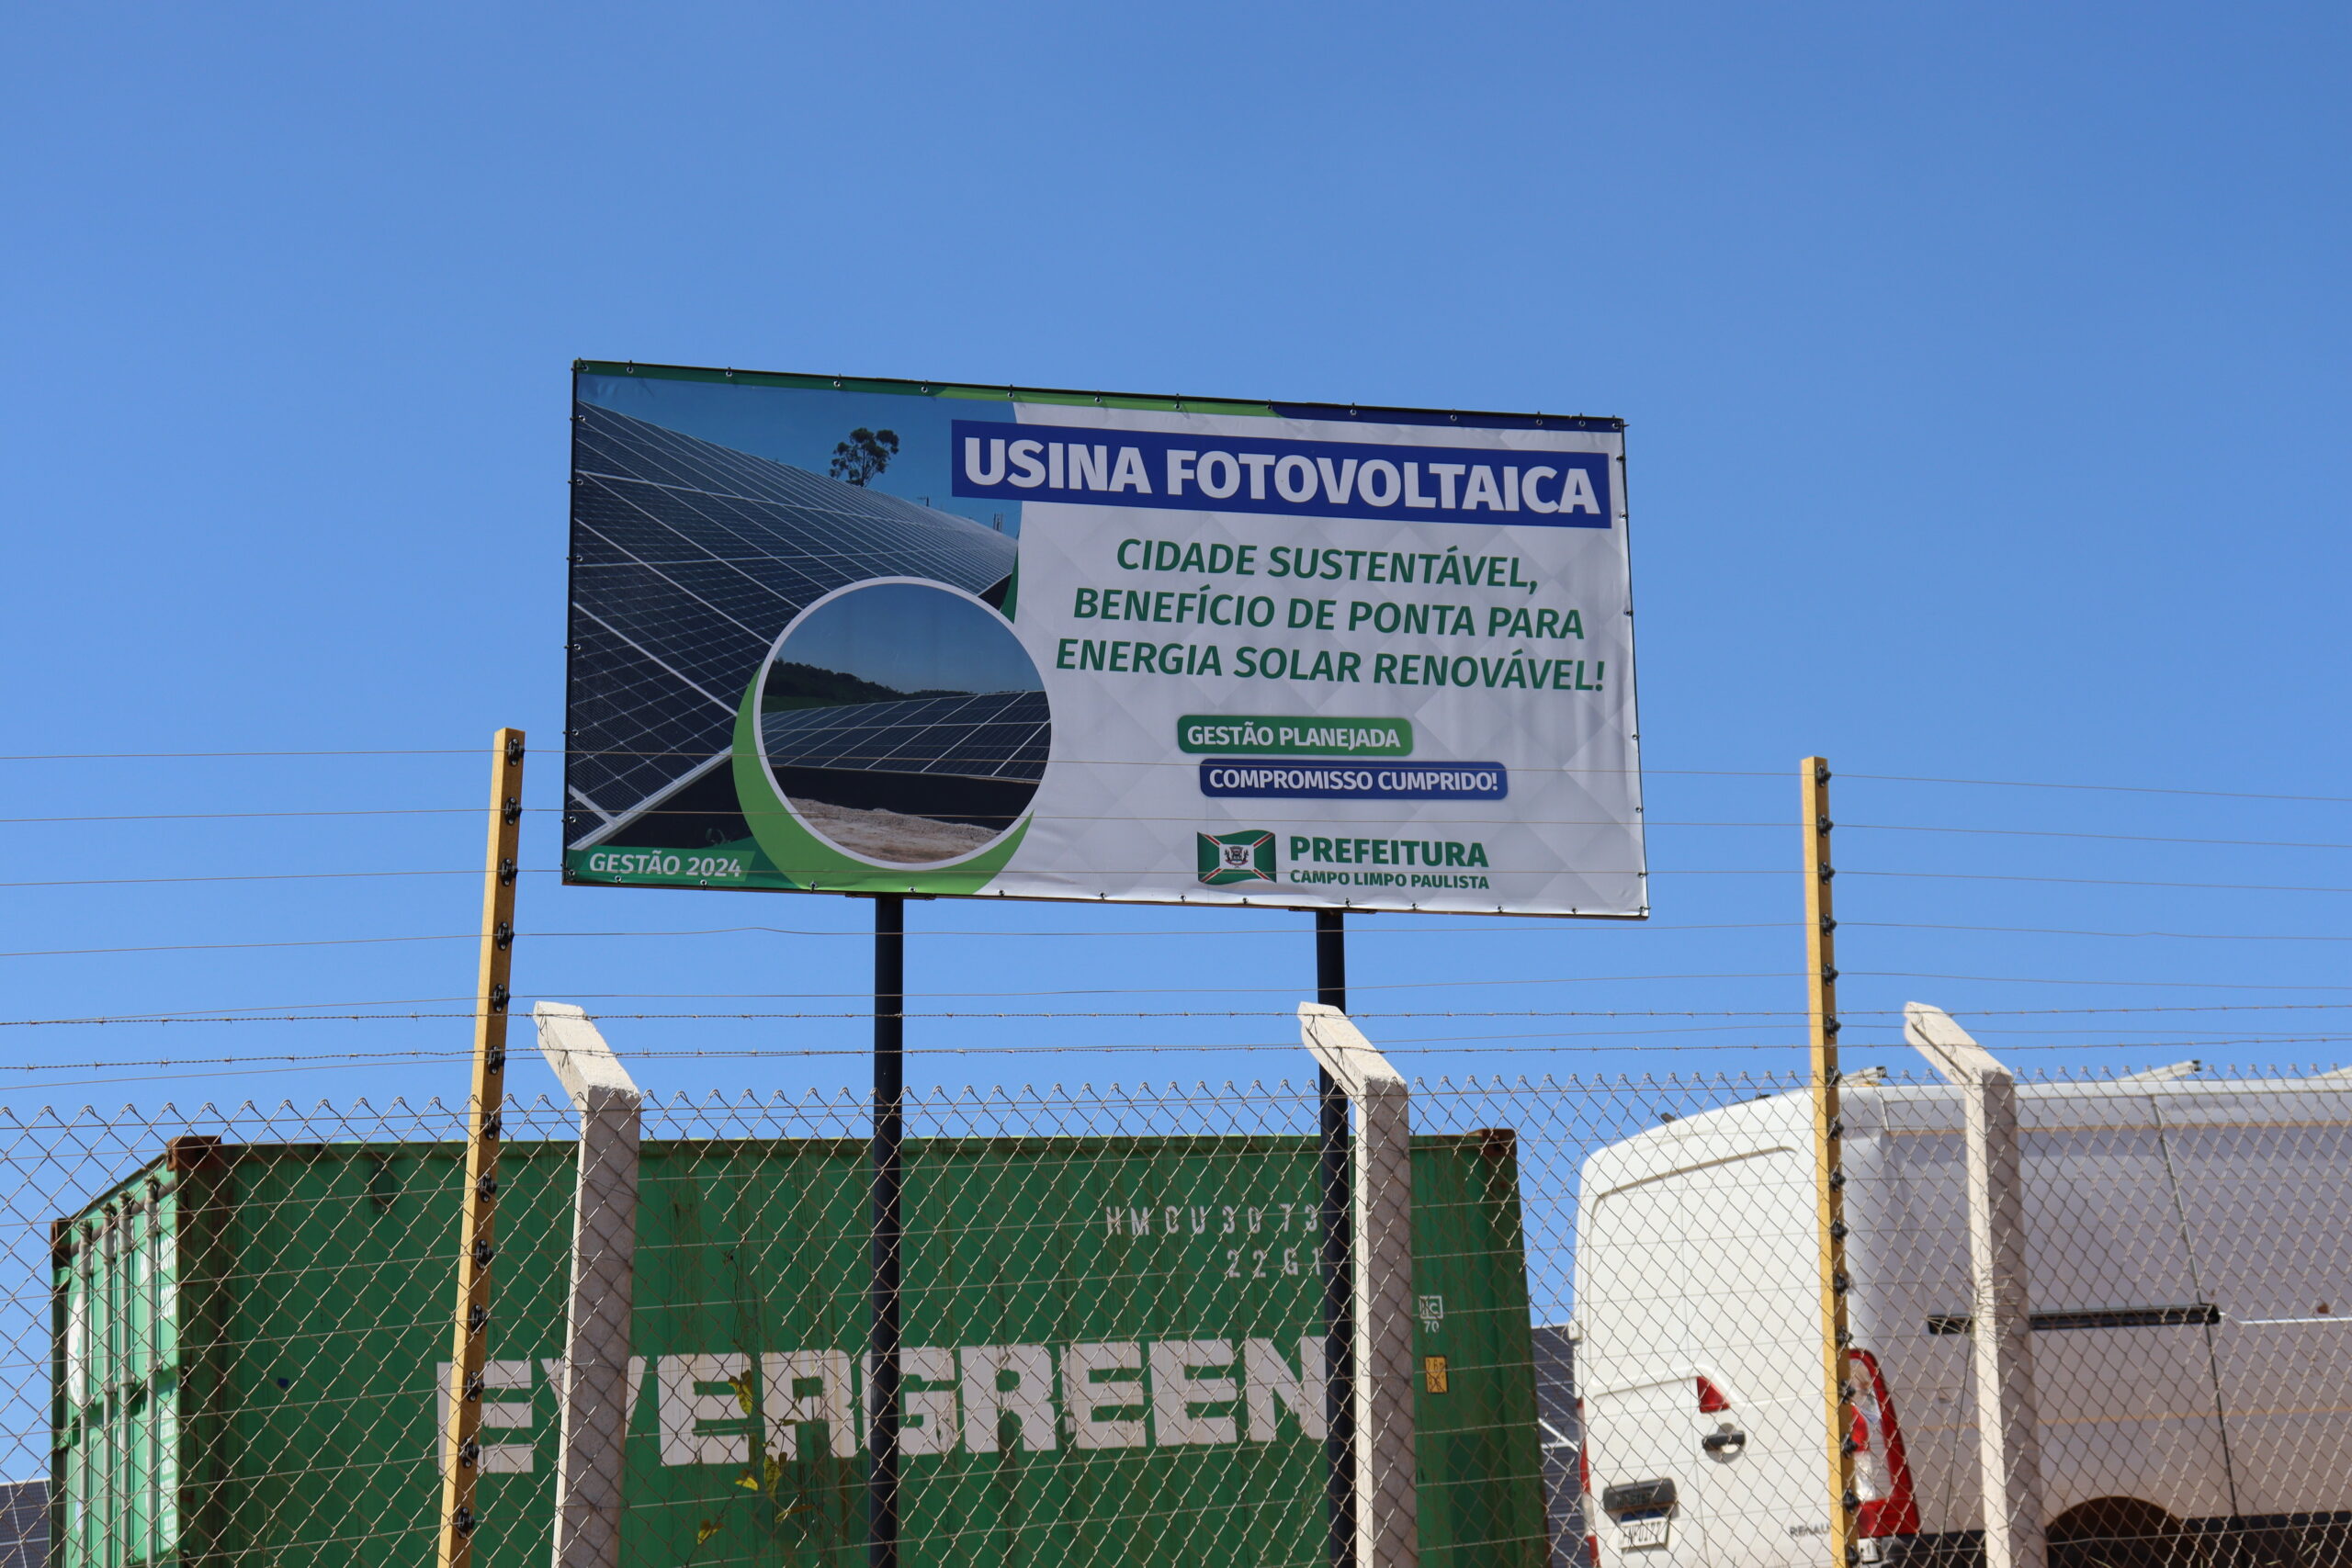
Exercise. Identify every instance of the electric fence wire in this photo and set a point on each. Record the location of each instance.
(1391, 925)
(1647, 772)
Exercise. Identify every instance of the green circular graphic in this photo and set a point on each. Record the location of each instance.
(893, 739)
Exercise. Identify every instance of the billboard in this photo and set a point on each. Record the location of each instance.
(888, 636)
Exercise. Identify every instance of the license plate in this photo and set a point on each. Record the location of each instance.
(1634, 1534)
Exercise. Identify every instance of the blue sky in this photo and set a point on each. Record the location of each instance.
(1986, 373)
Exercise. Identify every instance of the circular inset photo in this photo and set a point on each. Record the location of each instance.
(903, 722)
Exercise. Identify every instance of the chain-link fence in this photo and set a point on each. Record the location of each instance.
(226, 1333)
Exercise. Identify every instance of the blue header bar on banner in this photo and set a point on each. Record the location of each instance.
(1092, 467)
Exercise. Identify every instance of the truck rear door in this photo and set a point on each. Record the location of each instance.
(1694, 1263)
(1756, 1321)
(1651, 1492)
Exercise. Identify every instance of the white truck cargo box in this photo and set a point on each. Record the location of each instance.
(2189, 1272)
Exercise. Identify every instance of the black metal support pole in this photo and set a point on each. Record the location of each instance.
(890, 1132)
(1339, 1286)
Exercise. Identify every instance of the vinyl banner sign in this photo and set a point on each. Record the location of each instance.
(891, 636)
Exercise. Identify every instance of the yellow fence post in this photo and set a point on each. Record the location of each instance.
(461, 1438)
(1830, 1172)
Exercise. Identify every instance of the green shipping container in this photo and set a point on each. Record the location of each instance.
(1112, 1356)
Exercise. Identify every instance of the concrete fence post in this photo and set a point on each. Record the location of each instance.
(2009, 1447)
(1387, 1480)
(593, 1394)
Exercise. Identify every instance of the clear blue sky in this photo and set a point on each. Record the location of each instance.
(1986, 368)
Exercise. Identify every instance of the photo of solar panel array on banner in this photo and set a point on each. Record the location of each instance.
(689, 559)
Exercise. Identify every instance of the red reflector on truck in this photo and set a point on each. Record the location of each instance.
(1584, 1485)
(1584, 1453)
(1881, 1473)
(1710, 1398)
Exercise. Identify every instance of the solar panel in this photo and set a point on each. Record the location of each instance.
(688, 558)
(24, 1524)
(1559, 1432)
(995, 735)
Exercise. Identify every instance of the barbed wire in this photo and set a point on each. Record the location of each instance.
(1264, 901)
(2118, 789)
(2074, 881)
(247, 815)
(1437, 1046)
(1775, 825)
(1643, 770)
(1194, 930)
(1391, 925)
(1433, 1044)
(1242, 990)
(2064, 930)
(1848, 1014)
(1758, 1025)
(2050, 833)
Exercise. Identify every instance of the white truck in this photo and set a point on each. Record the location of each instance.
(2189, 1275)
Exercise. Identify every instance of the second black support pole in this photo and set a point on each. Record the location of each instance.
(889, 1138)
(1339, 1286)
